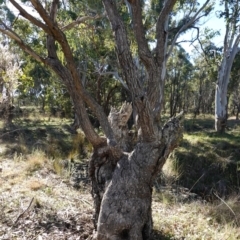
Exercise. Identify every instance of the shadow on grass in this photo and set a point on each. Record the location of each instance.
(207, 161)
(52, 226)
(157, 235)
(193, 125)
(25, 136)
(207, 124)
(203, 171)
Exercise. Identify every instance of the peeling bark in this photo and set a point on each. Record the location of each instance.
(118, 121)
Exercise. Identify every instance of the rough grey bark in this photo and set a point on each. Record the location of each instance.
(123, 196)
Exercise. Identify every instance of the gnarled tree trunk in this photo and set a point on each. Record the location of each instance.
(122, 181)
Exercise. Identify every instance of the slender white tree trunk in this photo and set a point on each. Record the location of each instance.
(230, 49)
(220, 109)
(221, 89)
(221, 97)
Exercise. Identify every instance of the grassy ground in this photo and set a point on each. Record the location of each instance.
(38, 204)
(206, 162)
(196, 197)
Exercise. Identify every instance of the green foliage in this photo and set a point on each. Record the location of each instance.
(234, 80)
(9, 14)
(156, 5)
(231, 10)
(94, 53)
(32, 36)
(6, 14)
(93, 49)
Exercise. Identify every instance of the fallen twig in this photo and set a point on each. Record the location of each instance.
(196, 183)
(225, 203)
(10, 132)
(85, 201)
(20, 215)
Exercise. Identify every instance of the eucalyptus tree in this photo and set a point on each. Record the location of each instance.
(10, 72)
(206, 59)
(203, 87)
(122, 169)
(204, 76)
(230, 49)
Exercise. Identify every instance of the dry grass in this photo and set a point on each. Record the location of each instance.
(52, 209)
(36, 161)
(81, 148)
(35, 184)
(41, 205)
(37, 203)
(229, 209)
(196, 220)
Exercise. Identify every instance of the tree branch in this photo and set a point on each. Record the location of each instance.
(53, 11)
(161, 29)
(78, 21)
(123, 48)
(11, 34)
(130, 71)
(21, 215)
(185, 26)
(42, 12)
(227, 28)
(69, 74)
(143, 49)
(29, 17)
(201, 46)
(75, 84)
(51, 47)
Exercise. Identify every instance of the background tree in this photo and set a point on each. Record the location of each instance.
(203, 88)
(230, 49)
(122, 170)
(178, 81)
(206, 67)
(10, 73)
